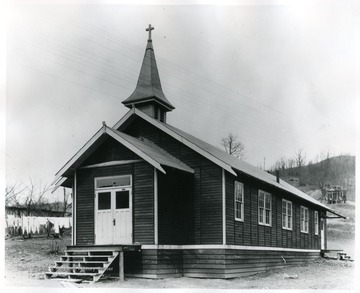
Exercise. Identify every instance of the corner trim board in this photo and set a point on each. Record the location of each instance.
(223, 206)
(74, 209)
(156, 235)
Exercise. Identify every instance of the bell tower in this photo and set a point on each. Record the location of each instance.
(148, 95)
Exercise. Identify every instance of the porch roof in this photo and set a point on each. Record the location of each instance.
(146, 150)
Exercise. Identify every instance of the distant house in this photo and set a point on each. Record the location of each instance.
(334, 194)
(34, 212)
(194, 210)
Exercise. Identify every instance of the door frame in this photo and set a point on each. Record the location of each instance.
(322, 234)
(113, 190)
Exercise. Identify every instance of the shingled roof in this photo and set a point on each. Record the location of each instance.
(219, 157)
(148, 87)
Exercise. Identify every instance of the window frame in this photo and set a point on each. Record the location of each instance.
(316, 222)
(264, 209)
(241, 219)
(304, 228)
(96, 179)
(287, 216)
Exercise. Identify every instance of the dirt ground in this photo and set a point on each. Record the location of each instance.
(27, 260)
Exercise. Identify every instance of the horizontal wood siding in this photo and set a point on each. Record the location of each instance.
(153, 263)
(85, 207)
(143, 199)
(85, 204)
(175, 207)
(211, 204)
(231, 230)
(231, 263)
(250, 232)
(109, 150)
(143, 192)
(207, 182)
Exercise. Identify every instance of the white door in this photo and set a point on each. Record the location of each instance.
(322, 233)
(113, 216)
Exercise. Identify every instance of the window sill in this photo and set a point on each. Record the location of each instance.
(266, 225)
(239, 220)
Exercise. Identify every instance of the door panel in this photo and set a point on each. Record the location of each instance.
(113, 217)
(122, 215)
(104, 218)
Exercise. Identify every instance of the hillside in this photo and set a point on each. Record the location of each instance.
(310, 178)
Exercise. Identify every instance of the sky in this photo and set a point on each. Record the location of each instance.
(281, 77)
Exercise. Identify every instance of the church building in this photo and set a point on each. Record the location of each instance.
(186, 207)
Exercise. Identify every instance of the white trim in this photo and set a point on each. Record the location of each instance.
(178, 137)
(112, 187)
(111, 163)
(287, 214)
(124, 118)
(96, 136)
(74, 210)
(264, 214)
(316, 222)
(131, 147)
(243, 202)
(58, 184)
(223, 206)
(149, 100)
(308, 221)
(221, 246)
(156, 235)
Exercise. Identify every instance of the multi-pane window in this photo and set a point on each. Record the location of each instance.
(239, 201)
(316, 222)
(287, 214)
(304, 219)
(264, 208)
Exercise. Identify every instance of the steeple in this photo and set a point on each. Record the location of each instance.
(148, 95)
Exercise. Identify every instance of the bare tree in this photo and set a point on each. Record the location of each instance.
(66, 203)
(233, 146)
(12, 194)
(34, 196)
(300, 158)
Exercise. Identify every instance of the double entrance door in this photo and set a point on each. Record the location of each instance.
(113, 216)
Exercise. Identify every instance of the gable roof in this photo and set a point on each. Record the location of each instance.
(148, 87)
(218, 156)
(151, 153)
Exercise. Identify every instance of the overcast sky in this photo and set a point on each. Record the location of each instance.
(279, 77)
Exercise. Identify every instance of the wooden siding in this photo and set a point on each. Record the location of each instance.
(110, 150)
(250, 232)
(209, 263)
(207, 182)
(143, 203)
(153, 263)
(143, 192)
(231, 263)
(175, 207)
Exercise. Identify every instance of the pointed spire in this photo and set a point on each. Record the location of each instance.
(148, 88)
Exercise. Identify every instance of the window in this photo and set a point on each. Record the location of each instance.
(264, 208)
(122, 199)
(239, 201)
(316, 221)
(104, 200)
(118, 181)
(287, 214)
(304, 219)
